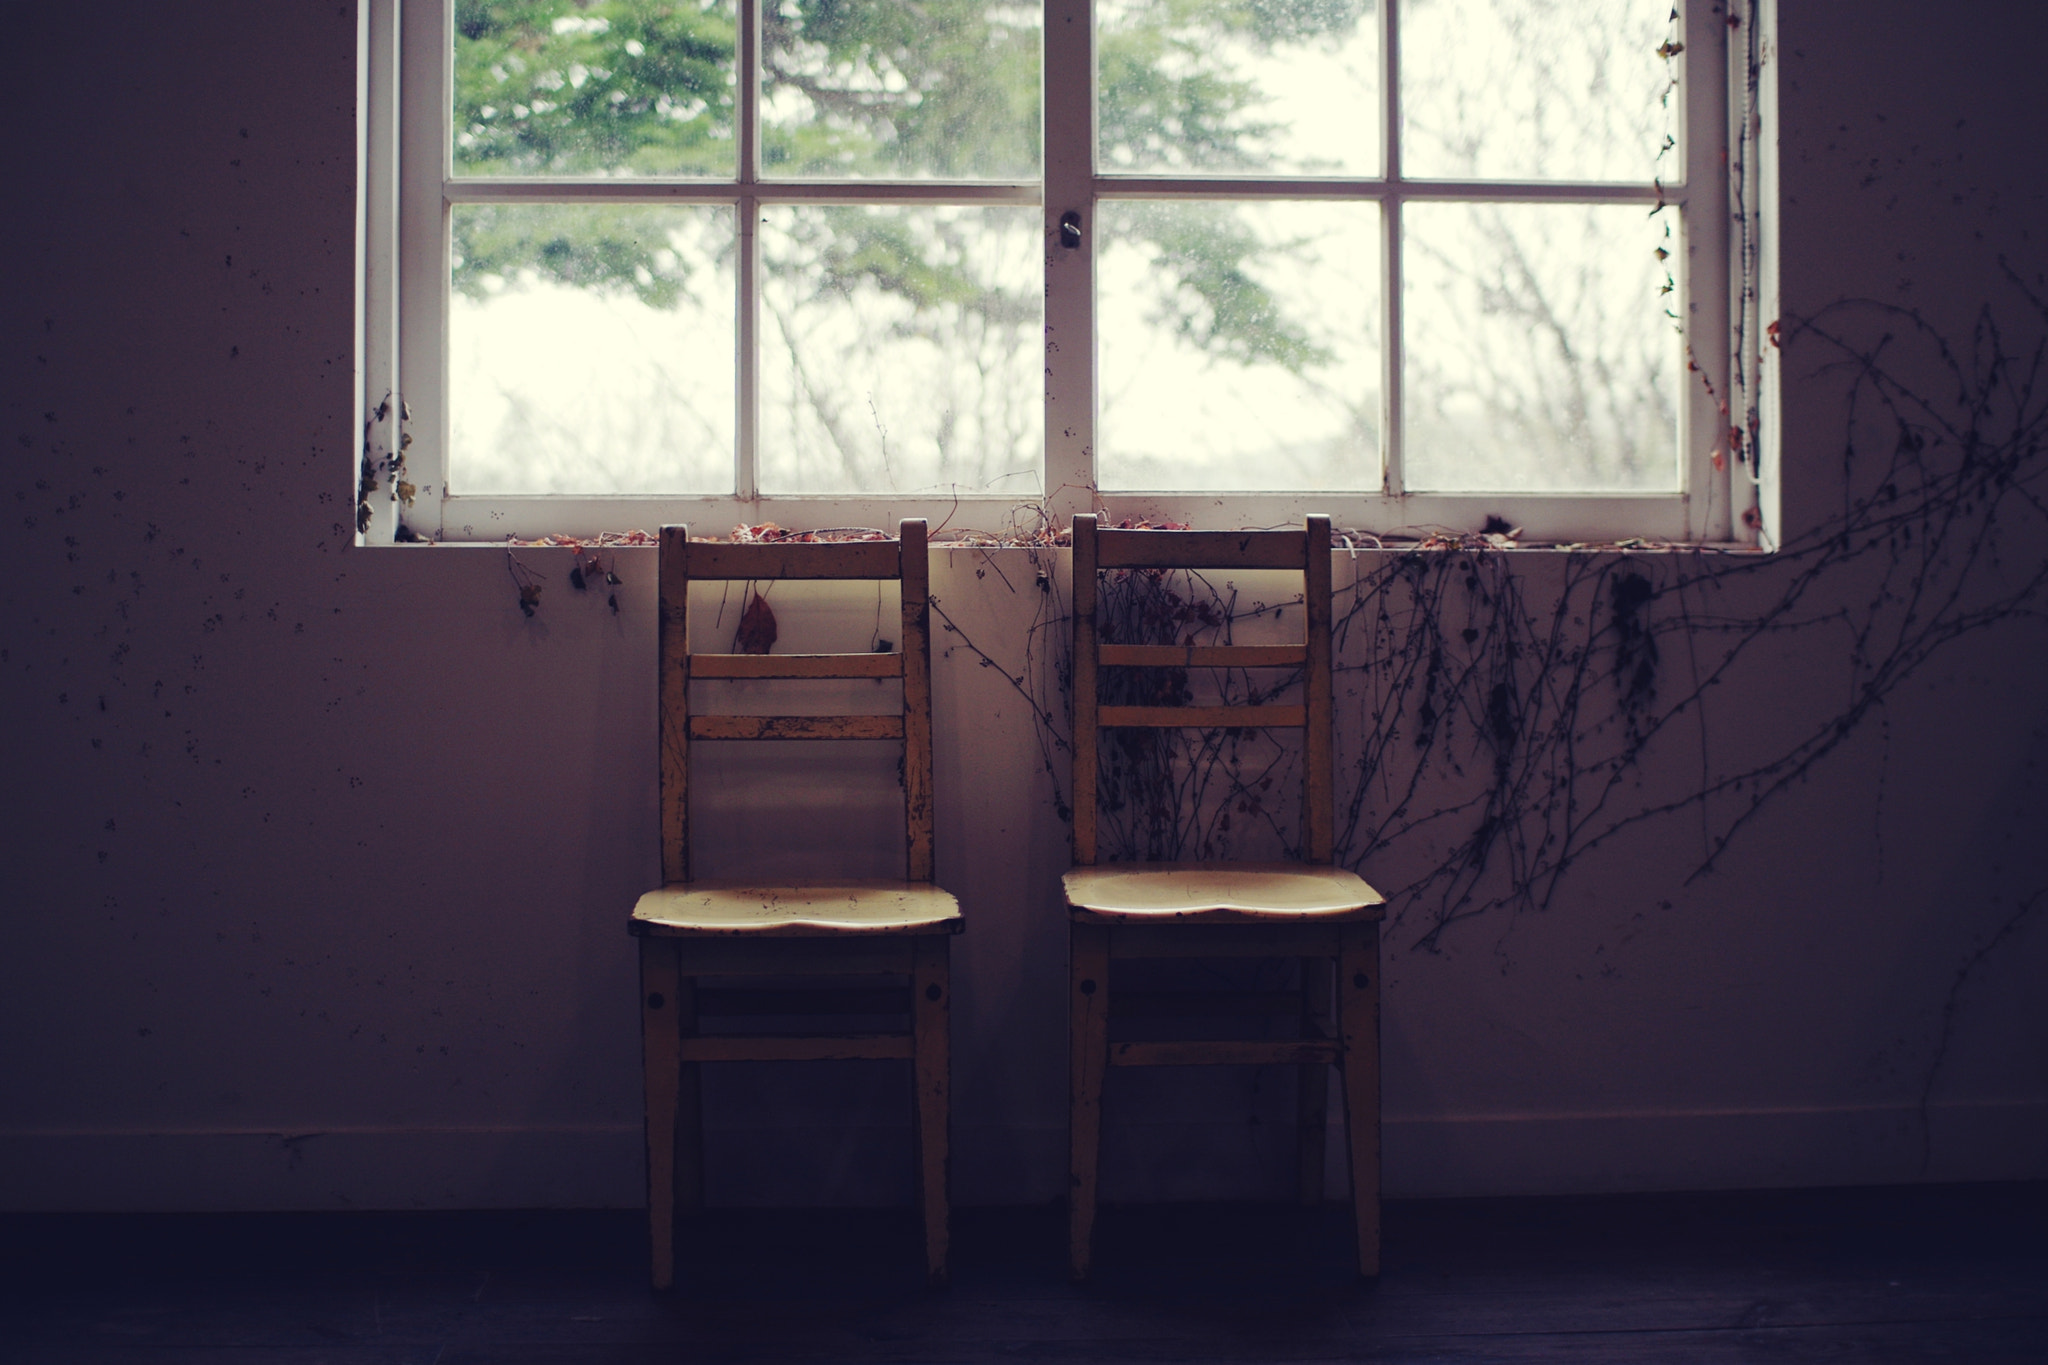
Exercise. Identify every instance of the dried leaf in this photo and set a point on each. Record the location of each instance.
(756, 634)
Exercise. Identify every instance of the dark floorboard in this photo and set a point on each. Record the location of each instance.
(1932, 1273)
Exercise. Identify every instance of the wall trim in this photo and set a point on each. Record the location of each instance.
(598, 1165)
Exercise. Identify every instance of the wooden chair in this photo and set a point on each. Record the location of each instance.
(1325, 916)
(695, 929)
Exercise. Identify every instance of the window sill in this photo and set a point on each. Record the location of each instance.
(1612, 520)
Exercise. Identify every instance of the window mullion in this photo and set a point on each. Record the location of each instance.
(1068, 98)
(1391, 476)
(746, 226)
(380, 204)
(426, 113)
(1715, 283)
(1218, 189)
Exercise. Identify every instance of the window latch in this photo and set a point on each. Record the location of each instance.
(1070, 229)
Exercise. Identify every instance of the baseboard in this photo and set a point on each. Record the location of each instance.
(599, 1165)
(1512, 1154)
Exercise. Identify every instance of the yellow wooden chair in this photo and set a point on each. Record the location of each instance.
(1323, 915)
(695, 929)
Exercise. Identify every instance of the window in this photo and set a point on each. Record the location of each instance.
(831, 262)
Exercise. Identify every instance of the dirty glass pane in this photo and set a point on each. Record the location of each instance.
(1219, 86)
(590, 349)
(567, 87)
(1539, 353)
(1239, 346)
(900, 349)
(882, 88)
(1537, 89)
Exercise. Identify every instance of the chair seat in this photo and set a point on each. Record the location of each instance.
(798, 910)
(1218, 893)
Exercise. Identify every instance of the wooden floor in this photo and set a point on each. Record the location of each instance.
(1957, 1273)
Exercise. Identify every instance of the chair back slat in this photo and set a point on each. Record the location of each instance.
(1201, 656)
(804, 559)
(796, 665)
(1120, 549)
(1208, 717)
(1306, 551)
(796, 727)
(902, 559)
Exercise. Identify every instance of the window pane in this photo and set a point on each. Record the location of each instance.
(1239, 346)
(1539, 355)
(901, 349)
(854, 88)
(1206, 86)
(590, 350)
(567, 87)
(1536, 89)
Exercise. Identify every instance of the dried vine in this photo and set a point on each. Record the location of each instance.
(1188, 794)
(1495, 734)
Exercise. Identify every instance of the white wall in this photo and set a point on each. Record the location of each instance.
(317, 857)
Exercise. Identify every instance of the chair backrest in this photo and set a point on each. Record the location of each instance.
(1306, 551)
(903, 559)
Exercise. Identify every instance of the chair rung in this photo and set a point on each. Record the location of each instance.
(841, 559)
(1202, 656)
(1206, 717)
(1120, 549)
(852, 1047)
(796, 727)
(1171, 1004)
(846, 955)
(738, 1000)
(1283, 1051)
(796, 665)
(1273, 939)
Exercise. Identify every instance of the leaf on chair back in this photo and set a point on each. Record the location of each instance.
(757, 627)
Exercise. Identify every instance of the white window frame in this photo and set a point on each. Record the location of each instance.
(409, 189)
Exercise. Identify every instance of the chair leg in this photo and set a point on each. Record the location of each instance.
(689, 1105)
(1312, 1082)
(1358, 1005)
(931, 1001)
(1087, 1060)
(661, 1053)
